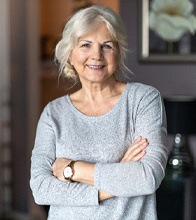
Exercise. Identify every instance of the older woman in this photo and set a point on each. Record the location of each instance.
(100, 152)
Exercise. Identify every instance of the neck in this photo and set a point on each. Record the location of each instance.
(97, 99)
(98, 92)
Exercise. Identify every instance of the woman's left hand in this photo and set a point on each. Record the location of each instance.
(136, 151)
(59, 166)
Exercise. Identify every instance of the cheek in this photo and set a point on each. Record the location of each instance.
(114, 61)
(78, 59)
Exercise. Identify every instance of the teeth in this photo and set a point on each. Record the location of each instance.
(95, 67)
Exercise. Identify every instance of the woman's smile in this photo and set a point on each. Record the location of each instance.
(96, 67)
(95, 55)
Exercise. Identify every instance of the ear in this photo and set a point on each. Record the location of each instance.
(70, 60)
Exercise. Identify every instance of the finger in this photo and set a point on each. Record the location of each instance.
(135, 148)
(131, 153)
(139, 156)
(137, 140)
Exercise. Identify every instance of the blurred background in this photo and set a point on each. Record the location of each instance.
(30, 30)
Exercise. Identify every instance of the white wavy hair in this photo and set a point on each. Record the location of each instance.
(80, 24)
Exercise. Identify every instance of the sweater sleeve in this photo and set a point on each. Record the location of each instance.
(143, 177)
(47, 189)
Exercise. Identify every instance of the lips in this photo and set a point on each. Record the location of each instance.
(96, 66)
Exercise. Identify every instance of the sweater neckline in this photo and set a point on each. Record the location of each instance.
(111, 111)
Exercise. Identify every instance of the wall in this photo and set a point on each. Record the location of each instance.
(24, 67)
(168, 78)
(5, 137)
(18, 104)
(54, 14)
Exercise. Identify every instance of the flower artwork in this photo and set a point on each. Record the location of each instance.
(172, 19)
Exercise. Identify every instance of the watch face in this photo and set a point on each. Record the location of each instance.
(67, 172)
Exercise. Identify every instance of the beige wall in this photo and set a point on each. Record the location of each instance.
(54, 14)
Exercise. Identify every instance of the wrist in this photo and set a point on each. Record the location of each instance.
(84, 172)
(76, 175)
(69, 171)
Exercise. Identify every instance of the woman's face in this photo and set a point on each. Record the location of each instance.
(95, 55)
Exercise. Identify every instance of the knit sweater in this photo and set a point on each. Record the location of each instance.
(64, 131)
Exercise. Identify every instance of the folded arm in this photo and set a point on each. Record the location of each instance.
(84, 172)
(127, 178)
(133, 177)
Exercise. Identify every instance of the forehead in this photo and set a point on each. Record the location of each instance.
(101, 32)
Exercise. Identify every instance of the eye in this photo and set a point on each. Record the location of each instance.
(106, 46)
(85, 45)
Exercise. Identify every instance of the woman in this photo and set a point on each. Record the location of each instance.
(100, 152)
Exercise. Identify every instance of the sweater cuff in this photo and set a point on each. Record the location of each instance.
(97, 174)
(95, 198)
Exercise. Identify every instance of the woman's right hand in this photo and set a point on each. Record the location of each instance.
(136, 151)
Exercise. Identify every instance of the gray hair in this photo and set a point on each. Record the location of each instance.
(80, 24)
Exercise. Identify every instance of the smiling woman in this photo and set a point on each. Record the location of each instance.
(95, 56)
(99, 152)
(81, 25)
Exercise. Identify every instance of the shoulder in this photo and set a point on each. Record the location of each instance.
(56, 106)
(141, 96)
(139, 91)
(146, 102)
(141, 88)
(55, 113)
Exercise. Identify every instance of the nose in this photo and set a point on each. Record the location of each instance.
(97, 53)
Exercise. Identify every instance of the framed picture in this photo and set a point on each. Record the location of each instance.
(167, 31)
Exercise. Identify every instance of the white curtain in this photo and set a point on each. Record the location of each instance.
(5, 131)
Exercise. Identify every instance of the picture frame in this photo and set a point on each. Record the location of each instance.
(152, 48)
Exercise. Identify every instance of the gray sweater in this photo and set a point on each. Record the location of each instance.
(63, 131)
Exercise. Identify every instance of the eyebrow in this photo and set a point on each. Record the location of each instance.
(108, 41)
(86, 41)
(105, 42)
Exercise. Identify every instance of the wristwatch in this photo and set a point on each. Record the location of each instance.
(69, 171)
